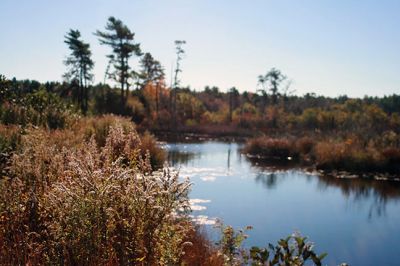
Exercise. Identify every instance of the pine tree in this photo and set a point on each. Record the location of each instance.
(80, 66)
(120, 38)
(152, 72)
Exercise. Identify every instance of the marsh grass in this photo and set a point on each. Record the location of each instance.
(71, 201)
(272, 148)
(332, 153)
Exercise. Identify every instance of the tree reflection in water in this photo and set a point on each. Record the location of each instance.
(362, 189)
(358, 190)
(177, 158)
(269, 180)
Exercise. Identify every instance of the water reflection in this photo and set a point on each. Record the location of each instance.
(356, 190)
(381, 192)
(176, 157)
(229, 157)
(271, 174)
(268, 180)
(346, 217)
(359, 190)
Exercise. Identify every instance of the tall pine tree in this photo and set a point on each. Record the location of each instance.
(80, 66)
(120, 38)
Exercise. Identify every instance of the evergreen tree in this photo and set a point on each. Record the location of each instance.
(179, 56)
(233, 98)
(80, 66)
(120, 38)
(152, 72)
(272, 81)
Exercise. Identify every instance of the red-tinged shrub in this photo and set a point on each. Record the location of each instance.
(149, 145)
(90, 205)
(391, 157)
(270, 148)
(347, 156)
(200, 250)
(305, 145)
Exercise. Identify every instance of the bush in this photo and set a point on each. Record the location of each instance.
(39, 108)
(99, 127)
(305, 145)
(293, 250)
(10, 138)
(149, 145)
(90, 205)
(391, 157)
(347, 157)
(270, 148)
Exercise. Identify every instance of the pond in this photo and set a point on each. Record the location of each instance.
(354, 220)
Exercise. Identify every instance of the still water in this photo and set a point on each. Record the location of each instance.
(353, 220)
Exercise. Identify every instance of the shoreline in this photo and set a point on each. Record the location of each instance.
(312, 168)
(304, 164)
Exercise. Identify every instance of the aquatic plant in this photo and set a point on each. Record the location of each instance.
(292, 250)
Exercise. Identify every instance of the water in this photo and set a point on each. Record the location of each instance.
(353, 220)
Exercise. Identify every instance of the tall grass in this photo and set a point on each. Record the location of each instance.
(10, 137)
(330, 153)
(88, 204)
(272, 148)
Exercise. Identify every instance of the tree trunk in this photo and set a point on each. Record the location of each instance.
(157, 92)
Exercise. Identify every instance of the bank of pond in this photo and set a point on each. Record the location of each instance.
(98, 192)
(334, 156)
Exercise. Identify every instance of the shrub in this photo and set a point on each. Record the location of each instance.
(293, 250)
(99, 128)
(305, 145)
(39, 108)
(90, 205)
(391, 158)
(201, 251)
(347, 156)
(103, 212)
(270, 148)
(10, 137)
(149, 145)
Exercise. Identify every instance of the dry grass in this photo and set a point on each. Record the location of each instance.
(72, 201)
(272, 148)
(201, 251)
(332, 154)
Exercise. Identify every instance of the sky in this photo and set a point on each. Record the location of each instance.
(328, 47)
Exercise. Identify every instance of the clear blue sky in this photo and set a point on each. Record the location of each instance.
(329, 47)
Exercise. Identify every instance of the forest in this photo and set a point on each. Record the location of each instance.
(83, 179)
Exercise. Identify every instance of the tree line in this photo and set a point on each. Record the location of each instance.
(121, 40)
(142, 94)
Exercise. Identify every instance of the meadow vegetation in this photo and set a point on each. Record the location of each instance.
(96, 193)
(80, 196)
(330, 154)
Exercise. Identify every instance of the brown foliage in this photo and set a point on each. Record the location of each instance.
(201, 251)
(71, 201)
(270, 147)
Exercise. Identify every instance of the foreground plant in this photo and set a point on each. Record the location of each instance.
(91, 205)
(293, 250)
